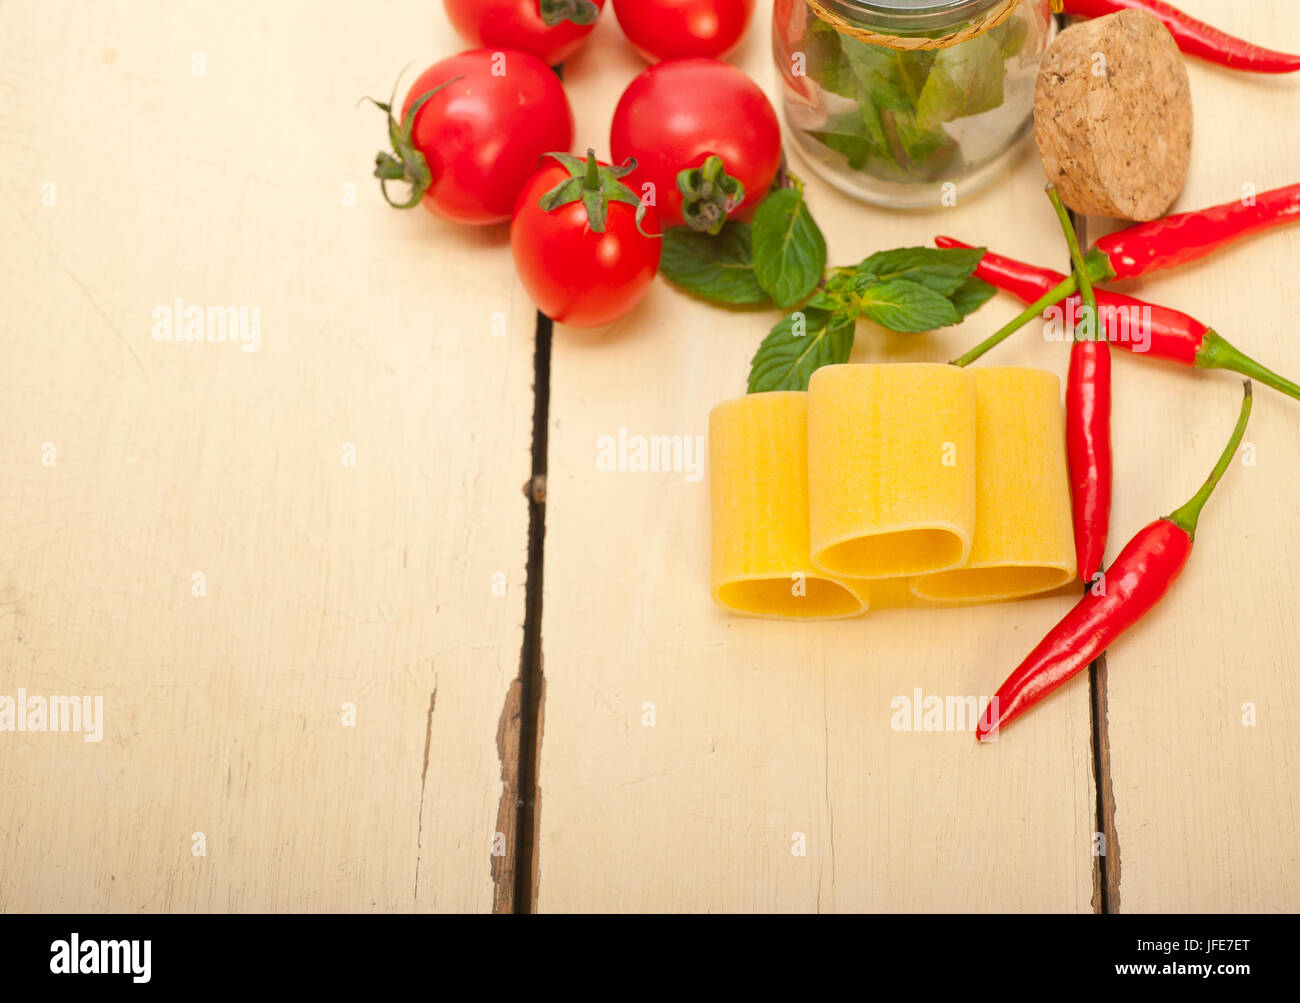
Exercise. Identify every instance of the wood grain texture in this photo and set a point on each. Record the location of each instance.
(1206, 807)
(764, 731)
(325, 583)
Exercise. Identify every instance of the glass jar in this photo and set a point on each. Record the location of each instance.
(909, 103)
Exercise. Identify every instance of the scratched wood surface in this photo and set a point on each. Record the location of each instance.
(1204, 703)
(684, 754)
(325, 583)
(768, 738)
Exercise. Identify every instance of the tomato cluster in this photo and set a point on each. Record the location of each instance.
(553, 30)
(485, 136)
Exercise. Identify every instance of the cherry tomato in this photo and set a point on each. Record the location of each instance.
(526, 25)
(473, 145)
(678, 113)
(574, 274)
(677, 29)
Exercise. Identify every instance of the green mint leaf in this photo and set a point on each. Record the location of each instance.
(718, 268)
(1011, 36)
(920, 142)
(906, 306)
(966, 79)
(803, 342)
(940, 269)
(855, 147)
(893, 78)
(921, 153)
(856, 134)
(971, 295)
(789, 249)
(826, 63)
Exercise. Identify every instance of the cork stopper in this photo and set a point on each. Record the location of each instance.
(1113, 116)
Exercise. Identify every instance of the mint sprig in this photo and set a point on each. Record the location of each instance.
(910, 290)
(971, 295)
(900, 305)
(904, 98)
(718, 268)
(965, 80)
(789, 249)
(781, 258)
(935, 268)
(802, 343)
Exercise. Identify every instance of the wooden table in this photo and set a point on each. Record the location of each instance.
(308, 583)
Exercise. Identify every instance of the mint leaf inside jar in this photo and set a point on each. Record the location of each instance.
(909, 103)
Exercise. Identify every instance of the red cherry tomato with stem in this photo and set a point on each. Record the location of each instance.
(680, 113)
(552, 30)
(584, 246)
(679, 29)
(473, 130)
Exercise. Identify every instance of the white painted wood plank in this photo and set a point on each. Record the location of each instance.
(764, 730)
(325, 584)
(1207, 807)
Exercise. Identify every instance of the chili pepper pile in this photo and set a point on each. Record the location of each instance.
(1195, 37)
(1167, 334)
(1160, 244)
(1138, 579)
(1146, 567)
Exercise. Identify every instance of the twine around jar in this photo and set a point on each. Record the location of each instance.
(991, 19)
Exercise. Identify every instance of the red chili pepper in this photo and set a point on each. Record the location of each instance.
(1135, 325)
(1164, 243)
(1176, 240)
(1025, 282)
(1087, 441)
(1196, 37)
(1138, 579)
(1087, 417)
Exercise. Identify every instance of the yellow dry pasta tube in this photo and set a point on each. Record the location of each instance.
(1024, 543)
(758, 473)
(891, 469)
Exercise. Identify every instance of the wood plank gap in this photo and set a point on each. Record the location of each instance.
(519, 731)
(1108, 862)
(1106, 867)
(522, 715)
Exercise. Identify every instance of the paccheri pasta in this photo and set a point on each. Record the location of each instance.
(891, 469)
(758, 468)
(1024, 542)
(929, 482)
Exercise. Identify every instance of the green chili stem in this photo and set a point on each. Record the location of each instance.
(1217, 353)
(1067, 288)
(1187, 517)
(1076, 257)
